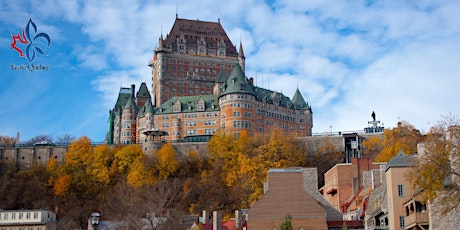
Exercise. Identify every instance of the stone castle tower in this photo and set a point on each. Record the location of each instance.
(199, 88)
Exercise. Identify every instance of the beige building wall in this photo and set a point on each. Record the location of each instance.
(399, 190)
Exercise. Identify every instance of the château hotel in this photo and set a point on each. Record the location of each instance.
(200, 88)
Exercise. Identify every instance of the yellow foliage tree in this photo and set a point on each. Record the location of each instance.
(139, 175)
(437, 175)
(62, 185)
(404, 137)
(101, 166)
(126, 156)
(79, 154)
(166, 162)
(373, 146)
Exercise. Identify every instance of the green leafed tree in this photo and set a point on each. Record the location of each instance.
(286, 225)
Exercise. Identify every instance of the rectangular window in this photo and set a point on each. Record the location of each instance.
(402, 223)
(400, 190)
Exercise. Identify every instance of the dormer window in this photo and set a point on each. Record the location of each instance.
(176, 108)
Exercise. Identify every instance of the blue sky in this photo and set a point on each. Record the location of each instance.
(348, 58)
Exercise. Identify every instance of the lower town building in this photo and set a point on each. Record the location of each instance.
(345, 180)
(294, 192)
(27, 219)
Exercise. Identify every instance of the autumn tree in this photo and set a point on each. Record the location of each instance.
(166, 162)
(130, 162)
(324, 157)
(437, 175)
(372, 146)
(6, 140)
(404, 137)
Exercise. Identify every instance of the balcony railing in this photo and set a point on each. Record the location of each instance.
(417, 218)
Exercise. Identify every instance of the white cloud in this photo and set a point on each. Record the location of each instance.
(348, 58)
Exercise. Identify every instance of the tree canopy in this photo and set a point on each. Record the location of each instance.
(404, 137)
(437, 175)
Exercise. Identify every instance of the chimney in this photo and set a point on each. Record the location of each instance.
(133, 89)
(205, 216)
(216, 221)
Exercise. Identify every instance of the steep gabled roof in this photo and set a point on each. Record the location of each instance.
(237, 83)
(143, 91)
(298, 101)
(147, 108)
(193, 30)
(130, 104)
(123, 97)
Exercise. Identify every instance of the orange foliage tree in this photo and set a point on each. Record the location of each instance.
(404, 137)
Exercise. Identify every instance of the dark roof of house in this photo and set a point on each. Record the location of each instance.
(194, 30)
(401, 160)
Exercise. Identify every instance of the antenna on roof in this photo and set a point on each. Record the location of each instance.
(263, 80)
(177, 9)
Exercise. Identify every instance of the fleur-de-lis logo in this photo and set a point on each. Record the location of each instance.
(30, 37)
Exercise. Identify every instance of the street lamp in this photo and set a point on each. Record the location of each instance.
(94, 220)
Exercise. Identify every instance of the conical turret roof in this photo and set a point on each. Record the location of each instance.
(237, 83)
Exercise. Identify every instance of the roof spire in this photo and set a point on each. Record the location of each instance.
(177, 9)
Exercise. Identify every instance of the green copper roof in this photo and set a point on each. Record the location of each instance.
(222, 77)
(123, 96)
(143, 91)
(401, 160)
(237, 83)
(147, 108)
(298, 101)
(189, 104)
(270, 95)
(130, 104)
